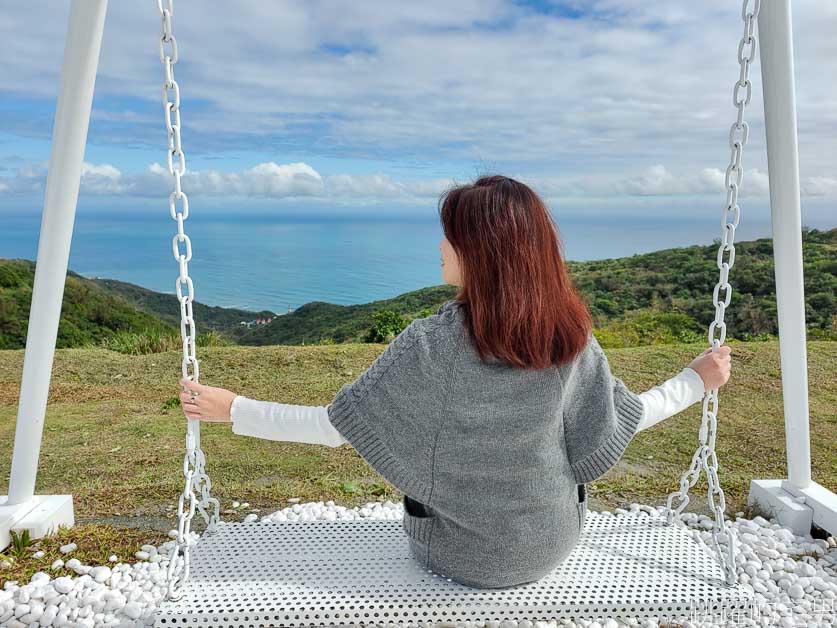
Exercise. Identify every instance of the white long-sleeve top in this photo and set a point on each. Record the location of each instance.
(310, 424)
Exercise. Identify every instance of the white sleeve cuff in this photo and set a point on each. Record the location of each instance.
(283, 422)
(671, 397)
(697, 388)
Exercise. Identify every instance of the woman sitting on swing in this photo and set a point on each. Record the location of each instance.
(492, 414)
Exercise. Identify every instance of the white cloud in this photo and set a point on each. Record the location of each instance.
(102, 179)
(630, 82)
(299, 180)
(357, 186)
(657, 180)
(820, 186)
(383, 186)
(270, 180)
(265, 180)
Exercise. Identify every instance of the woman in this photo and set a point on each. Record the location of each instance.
(492, 414)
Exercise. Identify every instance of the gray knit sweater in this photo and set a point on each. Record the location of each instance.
(498, 454)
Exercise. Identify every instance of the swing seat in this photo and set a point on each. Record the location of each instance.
(361, 572)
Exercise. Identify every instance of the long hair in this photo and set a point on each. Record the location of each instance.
(520, 304)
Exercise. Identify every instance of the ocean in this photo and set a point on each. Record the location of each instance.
(267, 262)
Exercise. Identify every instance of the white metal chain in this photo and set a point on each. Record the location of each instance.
(197, 481)
(705, 454)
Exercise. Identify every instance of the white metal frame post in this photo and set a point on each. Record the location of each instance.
(797, 501)
(23, 509)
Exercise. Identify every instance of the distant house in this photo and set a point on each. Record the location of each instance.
(258, 321)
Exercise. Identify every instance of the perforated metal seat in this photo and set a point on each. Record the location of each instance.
(361, 572)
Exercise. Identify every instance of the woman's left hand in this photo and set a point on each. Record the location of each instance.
(206, 403)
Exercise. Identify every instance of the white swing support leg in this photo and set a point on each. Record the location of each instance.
(22, 509)
(776, 497)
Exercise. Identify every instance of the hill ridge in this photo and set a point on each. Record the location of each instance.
(644, 298)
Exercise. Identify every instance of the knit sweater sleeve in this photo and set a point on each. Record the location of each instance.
(391, 412)
(600, 414)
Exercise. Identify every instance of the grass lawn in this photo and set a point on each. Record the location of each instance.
(114, 434)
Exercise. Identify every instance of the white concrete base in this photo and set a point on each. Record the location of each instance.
(793, 507)
(41, 516)
(822, 502)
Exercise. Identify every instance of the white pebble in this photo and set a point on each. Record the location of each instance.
(100, 574)
(132, 610)
(66, 549)
(805, 570)
(767, 552)
(75, 565)
(40, 577)
(796, 592)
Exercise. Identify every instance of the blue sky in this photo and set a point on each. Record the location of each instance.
(379, 106)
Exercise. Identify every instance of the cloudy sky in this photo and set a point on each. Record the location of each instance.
(621, 105)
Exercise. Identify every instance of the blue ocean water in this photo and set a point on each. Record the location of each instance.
(268, 262)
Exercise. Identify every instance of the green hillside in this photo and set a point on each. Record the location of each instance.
(318, 321)
(684, 277)
(90, 314)
(167, 307)
(678, 282)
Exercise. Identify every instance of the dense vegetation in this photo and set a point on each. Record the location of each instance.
(680, 280)
(167, 307)
(318, 322)
(90, 314)
(650, 298)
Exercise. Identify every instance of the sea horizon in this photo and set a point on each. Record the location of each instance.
(261, 262)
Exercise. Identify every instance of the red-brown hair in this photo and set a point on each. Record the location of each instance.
(519, 301)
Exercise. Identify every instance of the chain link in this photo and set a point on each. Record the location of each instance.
(705, 457)
(194, 462)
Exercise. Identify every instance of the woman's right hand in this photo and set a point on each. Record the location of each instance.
(713, 366)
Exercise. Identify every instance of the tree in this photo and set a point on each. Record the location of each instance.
(386, 326)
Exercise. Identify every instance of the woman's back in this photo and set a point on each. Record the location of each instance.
(495, 452)
(505, 502)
